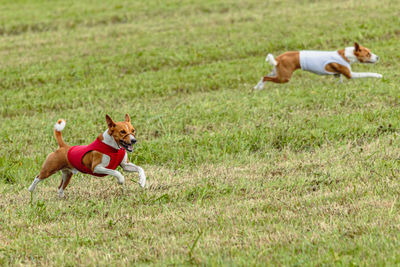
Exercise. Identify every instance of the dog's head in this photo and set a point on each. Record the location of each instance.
(364, 55)
(123, 132)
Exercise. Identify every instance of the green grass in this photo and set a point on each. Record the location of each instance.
(300, 174)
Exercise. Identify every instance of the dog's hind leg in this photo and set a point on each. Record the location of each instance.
(275, 79)
(65, 178)
(259, 85)
(271, 60)
(34, 183)
(54, 162)
(272, 73)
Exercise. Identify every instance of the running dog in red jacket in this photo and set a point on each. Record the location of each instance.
(100, 158)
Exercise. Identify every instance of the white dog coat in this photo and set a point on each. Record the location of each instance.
(315, 61)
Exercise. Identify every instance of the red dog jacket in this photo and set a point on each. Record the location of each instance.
(76, 153)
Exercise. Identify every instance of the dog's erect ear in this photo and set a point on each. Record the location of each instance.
(110, 122)
(356, 46)
(127, 118)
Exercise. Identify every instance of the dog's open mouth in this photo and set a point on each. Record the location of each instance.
(128, 147)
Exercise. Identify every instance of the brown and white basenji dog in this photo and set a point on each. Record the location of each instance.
(99, 158)
(320, 62)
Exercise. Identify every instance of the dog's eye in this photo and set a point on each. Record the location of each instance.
(123, 132)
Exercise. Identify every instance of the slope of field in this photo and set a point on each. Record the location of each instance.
(305, 173)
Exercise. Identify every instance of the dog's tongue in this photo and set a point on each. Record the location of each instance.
(130, 148)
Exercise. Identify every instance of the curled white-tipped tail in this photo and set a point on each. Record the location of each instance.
(59, 126)
(271, 60)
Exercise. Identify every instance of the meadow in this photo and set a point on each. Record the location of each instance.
(299, 174)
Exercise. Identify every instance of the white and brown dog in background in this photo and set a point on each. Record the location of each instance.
(100, 158)
(319, 62)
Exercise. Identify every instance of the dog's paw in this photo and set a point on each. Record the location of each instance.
(142, 180)
(61, 194)
(259, 86)
(121, 180)
(379, 76)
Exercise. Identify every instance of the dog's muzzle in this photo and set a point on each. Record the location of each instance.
(128, 147)
(374, 59)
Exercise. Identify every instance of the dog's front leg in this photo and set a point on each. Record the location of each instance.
(130, 167)
(99, 169)
(356, 75)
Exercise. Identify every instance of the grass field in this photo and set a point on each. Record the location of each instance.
(300, 174)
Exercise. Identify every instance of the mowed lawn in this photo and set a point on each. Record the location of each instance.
(300, 174)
